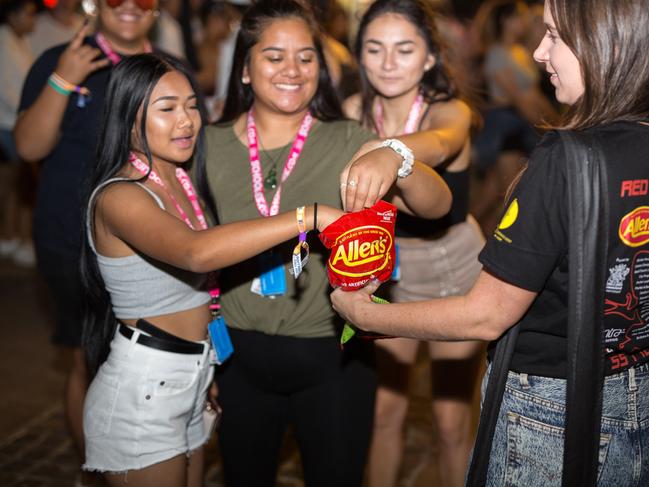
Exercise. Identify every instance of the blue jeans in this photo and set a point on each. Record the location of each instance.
(528, 442)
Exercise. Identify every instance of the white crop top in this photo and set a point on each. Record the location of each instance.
(140, 286)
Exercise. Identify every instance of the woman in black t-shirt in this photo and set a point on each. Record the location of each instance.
(595, 54)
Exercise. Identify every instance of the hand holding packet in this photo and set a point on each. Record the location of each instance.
(362, 249)
(362, 246)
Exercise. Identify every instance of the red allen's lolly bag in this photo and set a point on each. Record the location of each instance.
(362, 246)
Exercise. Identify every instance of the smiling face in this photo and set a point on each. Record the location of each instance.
(126, 25)
(283, 68)
(394, 55)
(173, 119)
(560, 62)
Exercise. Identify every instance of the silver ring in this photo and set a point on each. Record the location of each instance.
(351, 184)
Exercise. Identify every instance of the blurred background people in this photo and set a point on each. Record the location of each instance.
(17, 184)
(216, 19)
(514, 102)
(57, 124)
(55, 24)
(167, 34)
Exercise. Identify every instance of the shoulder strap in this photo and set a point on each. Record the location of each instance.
(588, 245)
(153, 195)
(477, 474)
(91, 204)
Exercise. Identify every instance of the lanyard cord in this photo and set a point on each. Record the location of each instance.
(188, 188)
(289, 165)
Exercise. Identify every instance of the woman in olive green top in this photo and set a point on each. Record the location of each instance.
(282, 141)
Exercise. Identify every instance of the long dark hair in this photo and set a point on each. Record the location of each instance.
(611, 41)
(324, 106)
(130, 87)
(436, 83)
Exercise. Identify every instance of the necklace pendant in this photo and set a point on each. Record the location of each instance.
(270, 182)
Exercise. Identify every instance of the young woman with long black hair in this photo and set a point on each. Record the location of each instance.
(147, 252)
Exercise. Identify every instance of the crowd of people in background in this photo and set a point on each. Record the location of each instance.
(487, 44)
(454, 82)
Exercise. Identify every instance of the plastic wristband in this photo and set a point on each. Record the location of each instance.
(57, 88)
(65, 88)
(404, 151)
(299, 215)
(302, 246)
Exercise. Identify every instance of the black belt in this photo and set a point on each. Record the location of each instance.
(164, 341)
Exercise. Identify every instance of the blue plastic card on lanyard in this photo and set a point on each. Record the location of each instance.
(220, 339)
(272, 278)
(396, 271)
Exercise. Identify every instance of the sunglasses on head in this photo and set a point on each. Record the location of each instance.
(143, 4)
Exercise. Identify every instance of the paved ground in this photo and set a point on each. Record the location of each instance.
(34, 446)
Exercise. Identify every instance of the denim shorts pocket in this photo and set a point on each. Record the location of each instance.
(169, 383)
(100, 406)
(535, 452)
(164, 394)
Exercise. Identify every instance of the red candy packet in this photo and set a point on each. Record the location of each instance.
(362, 246)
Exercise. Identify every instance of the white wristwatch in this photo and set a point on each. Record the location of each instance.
(402, 149)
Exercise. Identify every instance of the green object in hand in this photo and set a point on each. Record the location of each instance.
(349, 330)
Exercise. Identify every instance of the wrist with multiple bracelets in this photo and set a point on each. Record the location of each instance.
(406, 154)
(301, 250)
(63, 87)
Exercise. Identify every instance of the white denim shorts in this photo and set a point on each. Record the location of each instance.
(145, 406)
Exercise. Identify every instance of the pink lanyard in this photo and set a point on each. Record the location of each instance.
(106, 48)
(255, 164)
(184, 181)
(188, 187)
(411, 121)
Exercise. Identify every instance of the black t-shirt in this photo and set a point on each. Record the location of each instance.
(529, 249)
(57, 216)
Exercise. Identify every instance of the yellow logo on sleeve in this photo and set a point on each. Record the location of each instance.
(510, 216)
(508, 219)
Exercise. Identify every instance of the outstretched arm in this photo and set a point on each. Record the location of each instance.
(485, 313)
(125, 215)
(374, 176)
(445, 132)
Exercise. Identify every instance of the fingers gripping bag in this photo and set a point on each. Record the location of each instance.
(362, 249)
